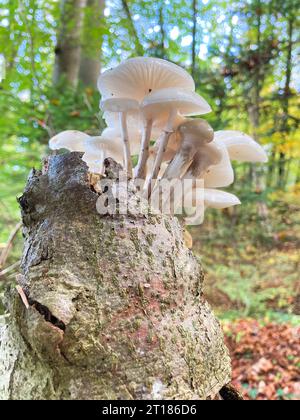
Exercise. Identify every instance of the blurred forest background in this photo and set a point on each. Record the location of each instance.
(244, 57)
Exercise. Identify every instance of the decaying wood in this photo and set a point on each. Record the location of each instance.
(116, 309)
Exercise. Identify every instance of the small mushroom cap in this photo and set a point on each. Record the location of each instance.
(197, 130)
(241, 147)
(160, 102)
(195, 135)
(119, 105)
(212, 198)
(99, 148)
(220, 175)
(136, 77)
(112, 118)
(218, 199)
(94, 144)
(72, 140)
(207, 156)
(209, 198)
(114, 133)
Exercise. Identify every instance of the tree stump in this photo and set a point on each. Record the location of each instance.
(116, 309)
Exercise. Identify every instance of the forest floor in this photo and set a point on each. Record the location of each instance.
(265, 359)
(253, 283)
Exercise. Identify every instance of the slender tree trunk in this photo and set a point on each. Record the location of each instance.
(285, 102)
(254, 105)
(90, 62)
(298, 173)
(194, 31)
(68, 48)
(132, 30)
(271, 167)
(113, 305)
(162, 51)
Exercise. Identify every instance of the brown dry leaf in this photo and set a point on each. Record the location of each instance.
(265, 359)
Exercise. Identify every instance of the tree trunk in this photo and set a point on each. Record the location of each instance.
(115, 304)
(90, 62)
(194, 29)
(68, 48)
(285, 103)
(139, 49)
(254, 106)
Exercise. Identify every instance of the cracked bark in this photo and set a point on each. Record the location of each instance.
(116, 306)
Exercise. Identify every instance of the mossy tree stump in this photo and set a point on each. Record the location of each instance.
(116, 309)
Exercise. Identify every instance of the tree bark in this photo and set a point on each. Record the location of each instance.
(68, 48)
(116, 309)
(90, 62)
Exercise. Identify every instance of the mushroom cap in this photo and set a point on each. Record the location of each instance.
(212, 198)
(209, 198)
(195, 136)
(241, 147)
(207, 156)
(99, 148)
(218, 199)
(136, 77)
(119, 105)
(197, 130)
(220, 175)
(72, 140)
(160, 102)
(112, 118)
(114, 134)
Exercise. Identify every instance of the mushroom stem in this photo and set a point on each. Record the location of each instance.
(163, 142)
(124, 134)
(144, 153)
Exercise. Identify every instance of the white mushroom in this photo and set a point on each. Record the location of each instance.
(210, 198)
(220, 175)
(217, 199)
(137, 77)
(195, 134)
(97, 149)
(72, 140)
(133, 133)
(168, 103)
(241, 147)
(122, 106)
(152, 129)
(208, 155)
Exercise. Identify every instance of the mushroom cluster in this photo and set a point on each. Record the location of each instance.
(149, 106)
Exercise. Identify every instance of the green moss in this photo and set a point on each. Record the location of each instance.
(168, 226)
(152, 220)
(135, 239)
(150, 238)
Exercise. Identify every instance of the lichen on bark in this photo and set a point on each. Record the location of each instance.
(116, 304)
